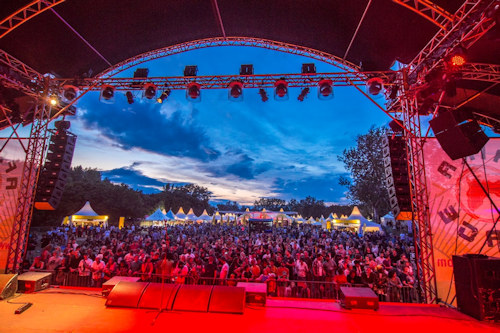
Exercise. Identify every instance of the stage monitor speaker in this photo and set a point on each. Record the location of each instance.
(192, 298)
(227, 300)
(358, 298)
(8, 285)
(477, 285)
(152, 296)
(458, 133)
(33, 281)
(126, 294)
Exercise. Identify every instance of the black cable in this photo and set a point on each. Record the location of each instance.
(69, 293)
(19, 303)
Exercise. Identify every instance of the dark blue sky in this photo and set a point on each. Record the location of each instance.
(238, 150)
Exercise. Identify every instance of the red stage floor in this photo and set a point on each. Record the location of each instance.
(67, 310)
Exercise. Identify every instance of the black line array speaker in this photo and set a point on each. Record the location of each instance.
(458, 133)
(396, 173)
(55, 171)
(477, 285)
(8, 285)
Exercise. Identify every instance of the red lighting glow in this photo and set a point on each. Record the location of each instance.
(458, 60)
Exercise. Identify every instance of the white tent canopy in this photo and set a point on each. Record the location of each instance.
(86, 216)
(157, 216)
(191, 216)
(204, 216)
(180, 214)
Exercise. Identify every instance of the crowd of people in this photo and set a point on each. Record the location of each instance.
(300, 261)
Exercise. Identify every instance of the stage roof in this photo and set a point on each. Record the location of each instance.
(118, 30)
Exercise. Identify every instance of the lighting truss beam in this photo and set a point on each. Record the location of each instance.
(429, 11)
(486, 120)
(468, 26)
(19, 67)
(26, 13)
(223, 81)
(231, 41)
(481, 72)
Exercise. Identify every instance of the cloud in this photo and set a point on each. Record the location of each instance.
(134, 178)
(325, 188)
(147, 126)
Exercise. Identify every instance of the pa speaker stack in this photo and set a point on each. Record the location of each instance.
(55, 171)
(396, 173)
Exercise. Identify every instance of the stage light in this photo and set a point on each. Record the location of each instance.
(325, 89)
(107, 94)
(263, 95)
(193, 93)
(280, 90)
(53, 100)
(130, 97)
(457, 57)
(190, 70)
(374, 86)
(303, 94)
(69, 93)
(308, 68)
(149, 91)
(164, 95)
(235, 91)
(246, 70)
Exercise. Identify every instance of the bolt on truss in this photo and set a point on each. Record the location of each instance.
(26, 13)
(422, 231)
(32, 165)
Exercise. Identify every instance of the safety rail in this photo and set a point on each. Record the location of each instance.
(275, 288)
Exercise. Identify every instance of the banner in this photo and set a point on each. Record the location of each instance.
(461, 214)
(10, 181)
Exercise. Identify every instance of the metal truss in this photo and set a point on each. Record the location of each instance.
(468, 26)
(422, 231)
(429, 11)
(231, 41)
(26, 13)
(32, 165)
(18, 75)
(481, 72)
(487, 121)
(223, 81)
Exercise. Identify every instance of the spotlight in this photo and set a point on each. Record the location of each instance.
(164, 95)
(190, 70)
(246, 70)
(193, 92)
(308, 68)
(235, 91)
(69, 93)
(457, 58)
(374, 86)
(303, 94)
(130, 97)
(53, 100)
(281, 90)
(325, 89)
(149, 90)
(107, 94)
(263, 95)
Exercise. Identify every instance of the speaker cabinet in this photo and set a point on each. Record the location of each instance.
(152, 296)
(227, 300)
(358, 298)
(477, 285)
(193, 298)
(8, 285)
(126, 294)
(458, 133)
(55, 170)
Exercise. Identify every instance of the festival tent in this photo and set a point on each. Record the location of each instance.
(300, 219)
(216, 217)
(155, 219)
(204, 216)
(388, 219)
(364, 224)
(191, 216)
(180, 215)
(170, 216)
(86, 216)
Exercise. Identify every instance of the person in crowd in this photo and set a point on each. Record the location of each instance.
(97, 269)
(37, 265)
(84, 269)
(394, 286)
